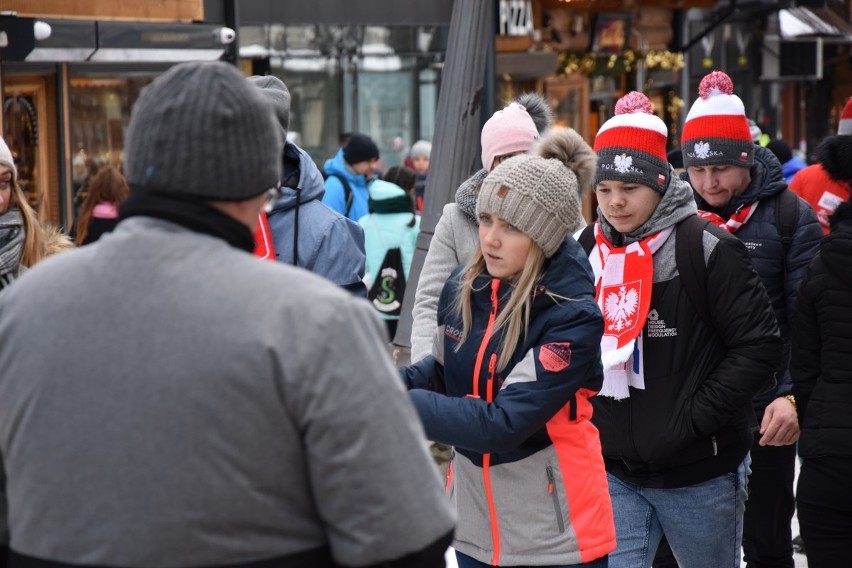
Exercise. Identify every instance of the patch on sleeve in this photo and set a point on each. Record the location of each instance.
(555, 357)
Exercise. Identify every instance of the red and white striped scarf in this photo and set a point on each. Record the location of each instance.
(624, 278)
(737, 220)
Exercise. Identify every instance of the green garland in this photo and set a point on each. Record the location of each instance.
(587, 63)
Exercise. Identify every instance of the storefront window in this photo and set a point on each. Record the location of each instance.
(99, 115)
(379, 80)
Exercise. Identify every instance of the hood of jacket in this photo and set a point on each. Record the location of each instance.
(676, 204)
(381, 190)
(337, 165)
(467, 192)
(767, 179)
(836, 247)
(299, 172)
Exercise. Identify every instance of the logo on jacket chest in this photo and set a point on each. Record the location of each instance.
(656, 327)
(453, 333)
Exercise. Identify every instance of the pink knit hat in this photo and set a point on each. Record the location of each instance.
(507, 131)
(845, 124)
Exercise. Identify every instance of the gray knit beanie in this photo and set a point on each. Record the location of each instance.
(277, 93)
(201, 130)
(538, 195)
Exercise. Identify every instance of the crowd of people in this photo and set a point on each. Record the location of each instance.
(629, 390)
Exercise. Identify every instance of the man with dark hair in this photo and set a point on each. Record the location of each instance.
(203, 407)
(349, 172)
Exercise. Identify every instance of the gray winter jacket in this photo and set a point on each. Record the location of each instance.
(327, 243)
(456, 238)
(192, 405)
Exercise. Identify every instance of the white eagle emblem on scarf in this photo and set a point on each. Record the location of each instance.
(620, 307)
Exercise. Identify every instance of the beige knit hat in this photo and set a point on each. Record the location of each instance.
(539, 193)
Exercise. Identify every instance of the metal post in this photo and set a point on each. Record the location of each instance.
(455, 147)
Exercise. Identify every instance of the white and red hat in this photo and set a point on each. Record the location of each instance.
(631, 146)
(716, 130)
(844, 125)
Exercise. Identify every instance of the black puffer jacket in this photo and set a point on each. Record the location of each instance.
(693, 420)
(763, 241)
(822, 337)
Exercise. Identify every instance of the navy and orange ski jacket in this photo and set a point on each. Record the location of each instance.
(528, 477)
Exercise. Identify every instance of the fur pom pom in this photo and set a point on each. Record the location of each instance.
(835, 155)
(634, 101)
(567, 146)
(715, 83)
(538, 109)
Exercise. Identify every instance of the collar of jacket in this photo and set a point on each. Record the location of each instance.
(567, 274)
(189, 212)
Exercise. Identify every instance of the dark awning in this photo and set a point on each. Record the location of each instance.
(132, 42)
(810, 23)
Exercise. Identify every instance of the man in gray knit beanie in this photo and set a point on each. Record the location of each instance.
(178, 429)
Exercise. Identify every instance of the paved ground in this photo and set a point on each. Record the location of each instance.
(801, 561)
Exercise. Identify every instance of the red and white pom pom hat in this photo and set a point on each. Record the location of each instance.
(844, 126)
(716, 130)
(631, 146)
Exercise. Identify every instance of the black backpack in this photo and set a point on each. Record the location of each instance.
(347, 192)
(689, 248)
(388, 288)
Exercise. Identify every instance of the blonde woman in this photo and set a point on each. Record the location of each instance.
(21, 239)
(515, 361)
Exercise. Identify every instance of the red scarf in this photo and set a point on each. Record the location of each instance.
(737, 220)
(624, 279)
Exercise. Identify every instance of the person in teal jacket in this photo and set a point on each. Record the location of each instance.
(391, 223)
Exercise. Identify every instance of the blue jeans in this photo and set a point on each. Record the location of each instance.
(465, 561)
(703, 523)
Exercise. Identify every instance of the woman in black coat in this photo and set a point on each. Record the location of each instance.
(821, 369)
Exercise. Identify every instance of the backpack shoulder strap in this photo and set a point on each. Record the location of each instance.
(689, 256)
(786, 217)
(587, 239)
(347, 192)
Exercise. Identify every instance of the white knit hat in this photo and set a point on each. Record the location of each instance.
(6, 159)
(716, 130)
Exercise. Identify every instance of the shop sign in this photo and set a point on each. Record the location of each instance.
(610, 33)
(516, 18)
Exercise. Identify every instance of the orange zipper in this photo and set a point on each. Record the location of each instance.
(489, 397)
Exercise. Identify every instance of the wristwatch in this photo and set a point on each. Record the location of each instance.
(792, 400)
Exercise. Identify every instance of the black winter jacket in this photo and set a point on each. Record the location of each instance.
(822, 342)
(760, 234)
(693, 421)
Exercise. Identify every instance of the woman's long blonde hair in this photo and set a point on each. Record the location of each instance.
(33, 249)
(515, 316)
